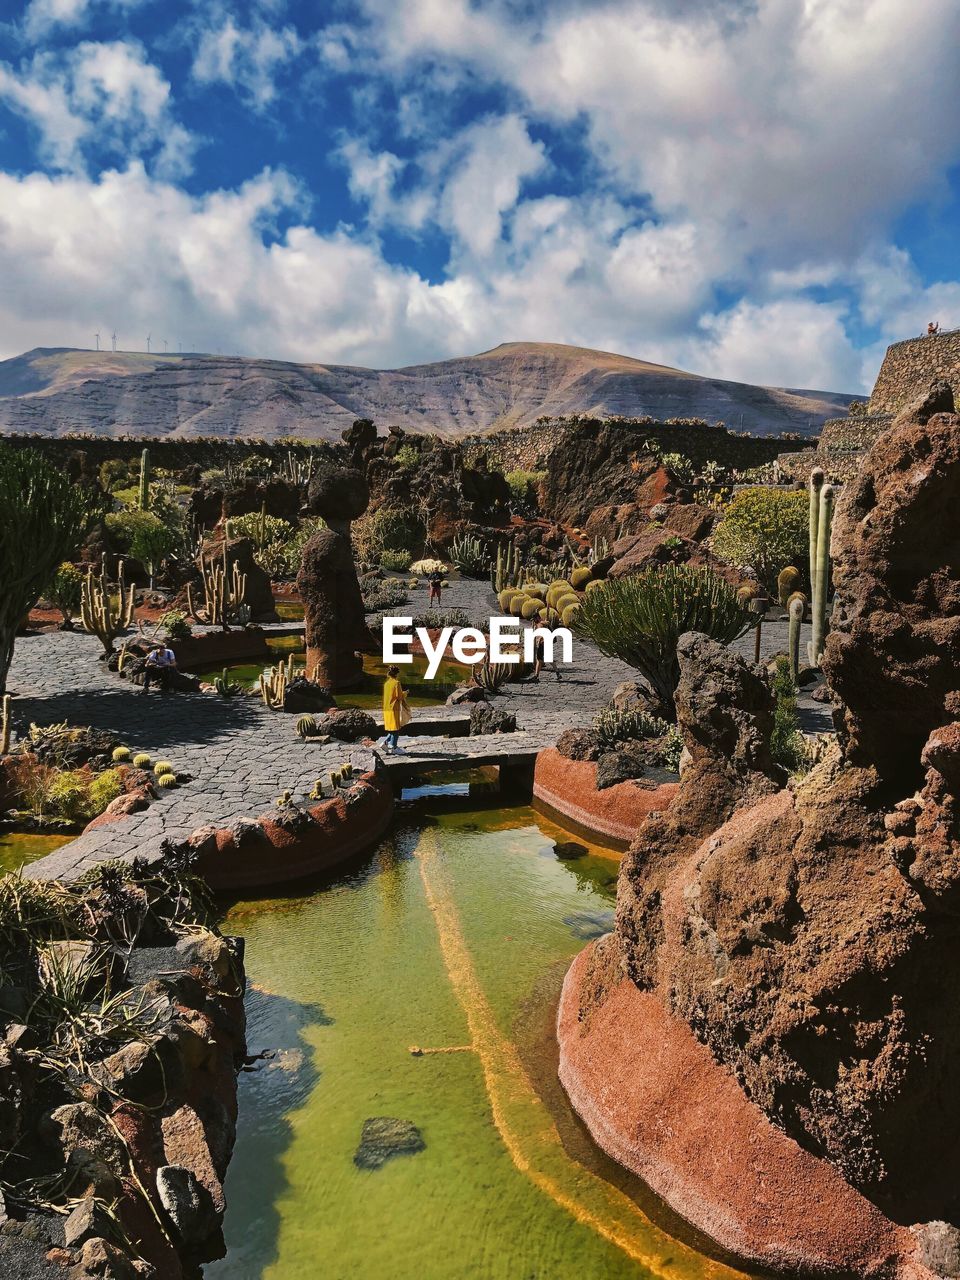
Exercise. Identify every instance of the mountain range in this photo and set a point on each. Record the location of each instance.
(55, 391)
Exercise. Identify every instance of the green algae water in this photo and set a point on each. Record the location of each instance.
(450, 940)
(18, 848)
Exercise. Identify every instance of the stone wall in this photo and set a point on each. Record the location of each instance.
(909, 367)
(528, 449)
(843, 445)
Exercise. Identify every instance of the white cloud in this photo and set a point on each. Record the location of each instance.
(247, 59)
(43, 16)
(107, 96)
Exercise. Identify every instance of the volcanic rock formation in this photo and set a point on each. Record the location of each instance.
(336, 629)
(809, 936)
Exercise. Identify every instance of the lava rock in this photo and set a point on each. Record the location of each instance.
(188, 1204)
(349, 725)
(383, 1137)
(305, 696)
(622, 765)
(466, 693)
(485, 719)
(578, 744)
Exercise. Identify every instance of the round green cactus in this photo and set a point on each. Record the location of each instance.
(162, 767)
(142, 761)
(120, 755)
(166, 781)
(306, 725)
(530, 608)
(569, 613)
(579, 579)
(516, 605)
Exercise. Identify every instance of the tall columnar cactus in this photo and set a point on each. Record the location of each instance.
(98, 613)
(145, 480)
(796, 611)
(5, 726)
(224, 591)
(273, 683)
(821, 524)
(508, 567)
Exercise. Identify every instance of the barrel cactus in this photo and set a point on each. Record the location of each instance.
(506, 596)
(120, 755)
(788, 582)
(579, 579)
(167, 780)
(142, 761)
(515, 607)
(162, 767)
(530, 608)
(569, 613)
(306, 726)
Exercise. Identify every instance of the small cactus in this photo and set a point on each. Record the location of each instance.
(120, 755)
(162, 767)
(167, 780)
(316, 792)
(283, 799)
(797, 606)
(335, 778)
(142, 761)
(579, 579)
(788, 582)
(5, 727)
(568, 614)
(306, 726)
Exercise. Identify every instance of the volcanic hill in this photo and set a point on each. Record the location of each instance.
(53, 391)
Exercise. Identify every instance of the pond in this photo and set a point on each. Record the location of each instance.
(452, 938)
(17, 848)
(421, 692)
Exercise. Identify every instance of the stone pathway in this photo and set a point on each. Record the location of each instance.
(242, 755)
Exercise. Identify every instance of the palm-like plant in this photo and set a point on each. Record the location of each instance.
(639, 619)
(44, 518)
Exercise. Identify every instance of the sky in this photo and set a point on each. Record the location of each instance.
(762, 190)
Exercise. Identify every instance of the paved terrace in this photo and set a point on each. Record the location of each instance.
(243, 755)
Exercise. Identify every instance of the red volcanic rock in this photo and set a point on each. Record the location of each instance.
(335, 623)
(692, 520)
(893, 651)
(568, 788)
(598, 466)
(656, 1101)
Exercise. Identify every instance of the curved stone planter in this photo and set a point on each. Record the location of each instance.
(566, 790)
(655, 1100)
(269, 851)
(248, 644)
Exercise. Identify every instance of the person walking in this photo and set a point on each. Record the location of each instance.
(396, 711)
(161, 663)
(435, 582)
(539, 662)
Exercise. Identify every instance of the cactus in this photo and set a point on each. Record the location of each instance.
(120, 755)
(346, 770)
(273, 682)
(142, 761)
(748, 591)
(788, 582)
(166, 781)
(568, 614)
(507, 569)
(162, 767)
(335, 777)
(98, 614)
(492, 676)
(579, 579)
(226, 687)
(283, 799)
(306, 726)
(144, 500)
(316, 792)
(530, 608)
(5, 727)
(796, 609)
(223, 592)
(821, 523)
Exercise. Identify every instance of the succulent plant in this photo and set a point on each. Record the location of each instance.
(226, 687)
(579, 579)
(142, 761)
(162, 767)
(530, 608)
(568, 614)
(167, 780)
(788, 581)
(306, 725)
(283, 799)
(821, 524)
(120, 755)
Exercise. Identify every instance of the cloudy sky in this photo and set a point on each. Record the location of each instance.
(766, 191)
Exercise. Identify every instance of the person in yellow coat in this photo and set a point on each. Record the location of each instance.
(396, 710)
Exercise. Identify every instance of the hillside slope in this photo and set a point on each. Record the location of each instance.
(53, 391)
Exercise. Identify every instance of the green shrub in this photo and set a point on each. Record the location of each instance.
(388, 529)
(261, 529)
(104, 788)
(470, 556)
(522, 482)
(175, 625)
(396, 561)
(66, 589)
(639, 620)
(764, 529)
(407, 457)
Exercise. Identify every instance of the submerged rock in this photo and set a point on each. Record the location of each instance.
(386, 1136)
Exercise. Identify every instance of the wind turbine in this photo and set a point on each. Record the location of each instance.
(165, 345)
(113, 339)
(97, 337)
(149, 336)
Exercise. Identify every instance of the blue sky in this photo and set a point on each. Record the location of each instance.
(766, 191)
